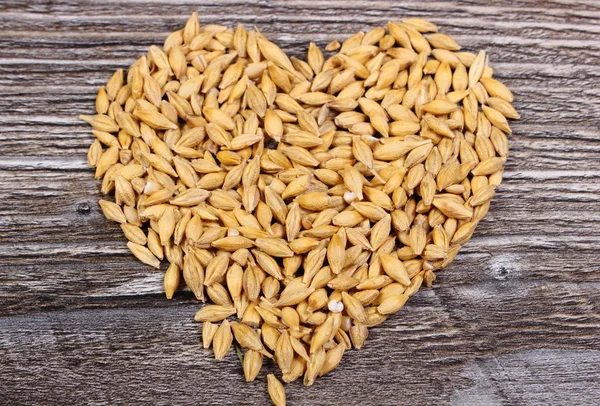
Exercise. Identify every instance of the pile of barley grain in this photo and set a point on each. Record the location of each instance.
(308, 199)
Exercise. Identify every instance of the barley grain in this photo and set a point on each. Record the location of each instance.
(363, 173)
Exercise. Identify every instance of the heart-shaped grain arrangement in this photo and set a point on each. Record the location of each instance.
(308, 199)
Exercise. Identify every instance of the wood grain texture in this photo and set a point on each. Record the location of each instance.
(515, 320)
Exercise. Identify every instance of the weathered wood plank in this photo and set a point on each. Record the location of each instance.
(154, 357)
(514, 320)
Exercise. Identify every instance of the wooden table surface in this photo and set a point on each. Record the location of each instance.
(515, 320)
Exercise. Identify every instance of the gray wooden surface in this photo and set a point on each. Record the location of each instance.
(515, 320)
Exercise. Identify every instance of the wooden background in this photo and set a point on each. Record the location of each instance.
(515, 320)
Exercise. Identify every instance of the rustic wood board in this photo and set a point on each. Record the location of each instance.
(515, 320)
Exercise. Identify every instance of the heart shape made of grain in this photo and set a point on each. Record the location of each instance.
(308, 199)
